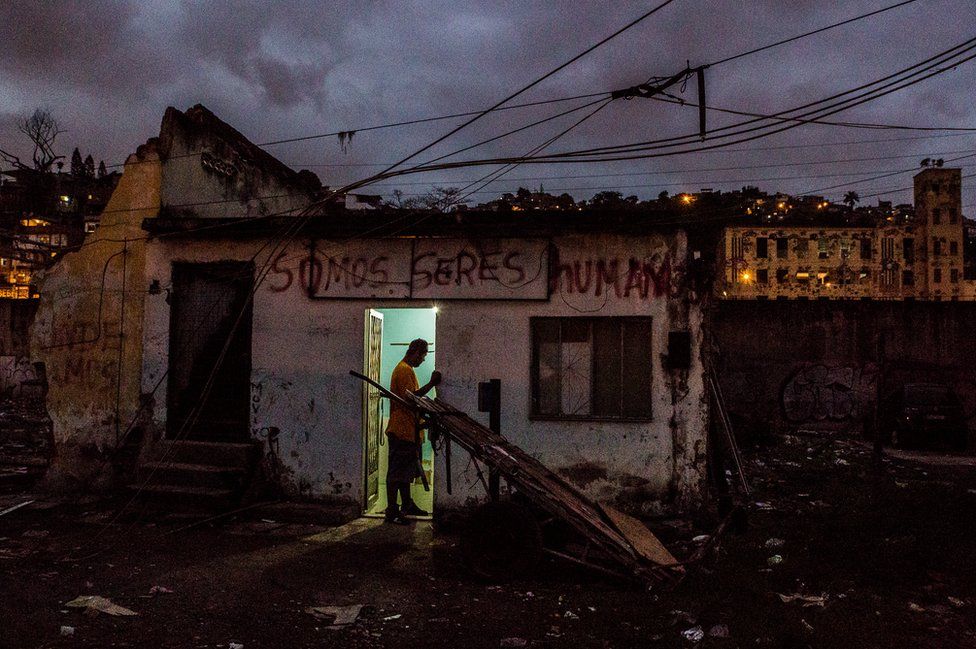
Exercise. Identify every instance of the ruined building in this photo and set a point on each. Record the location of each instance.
(216, 343)
(921, 259)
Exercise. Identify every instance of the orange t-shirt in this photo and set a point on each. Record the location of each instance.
(403, 422)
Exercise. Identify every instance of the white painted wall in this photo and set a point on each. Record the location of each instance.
(303, 349)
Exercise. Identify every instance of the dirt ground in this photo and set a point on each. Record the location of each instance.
(883, 560)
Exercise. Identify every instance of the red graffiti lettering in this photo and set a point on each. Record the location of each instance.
(465, 269)
(378, 269)
(443, 272)
(310, 281)
(511, 264)
(486, 269)
(607, 275)
(421, 278)
(643, 279)
(277, 269)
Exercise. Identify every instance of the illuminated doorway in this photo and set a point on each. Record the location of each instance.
(388, 333)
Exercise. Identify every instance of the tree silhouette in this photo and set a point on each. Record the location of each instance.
(42, 129)
(850, 198)
(101, 169)
(77, 166)
(89, 166)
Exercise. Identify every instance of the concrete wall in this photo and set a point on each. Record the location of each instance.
(15, 320)
(88, 328)
(814, 364)
(302, 351)
(211, 171)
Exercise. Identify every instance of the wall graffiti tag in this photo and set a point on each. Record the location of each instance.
(823, 393)
(14, 372)
(645, 278)
(446, 268)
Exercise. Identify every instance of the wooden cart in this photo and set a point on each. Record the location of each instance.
(544, 514)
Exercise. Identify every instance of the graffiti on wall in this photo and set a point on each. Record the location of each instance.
(14, 372)
(424, 269)
(822, 393)
(645, 278)
(528, 269)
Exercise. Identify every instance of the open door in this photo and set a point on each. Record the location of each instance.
(372, 407)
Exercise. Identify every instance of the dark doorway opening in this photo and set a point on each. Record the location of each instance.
(210, 351)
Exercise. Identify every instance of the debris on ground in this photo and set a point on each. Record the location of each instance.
(694, 634)
(99, 604)
(774, 560)
(235, 645)
(67, 630)
(806, 600)
(15, 507)
(159, 589)
(337, 616)
(513, 642)
(719, 631)
(774, 544)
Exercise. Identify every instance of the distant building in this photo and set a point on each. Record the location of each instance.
(899, 258)
(43, 214)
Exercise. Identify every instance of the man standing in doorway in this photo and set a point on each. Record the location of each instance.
(404, 435)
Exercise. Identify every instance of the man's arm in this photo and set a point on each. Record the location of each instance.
(435, 380)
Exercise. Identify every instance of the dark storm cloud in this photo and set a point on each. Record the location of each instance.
(109, 69)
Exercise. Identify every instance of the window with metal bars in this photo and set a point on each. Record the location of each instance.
(591, 368)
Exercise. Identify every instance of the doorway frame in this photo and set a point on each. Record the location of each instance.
(364, 428)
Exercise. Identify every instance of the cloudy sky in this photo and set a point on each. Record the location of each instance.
(108, 70)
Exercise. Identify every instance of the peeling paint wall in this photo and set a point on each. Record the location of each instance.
(88, 327)
(303, 349)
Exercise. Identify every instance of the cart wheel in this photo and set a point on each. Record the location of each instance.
(502, 540)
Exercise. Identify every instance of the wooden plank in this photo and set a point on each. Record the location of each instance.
(642, 539)
(549, 491)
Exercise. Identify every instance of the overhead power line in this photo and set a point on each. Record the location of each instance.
(809, 33)
(539, 80)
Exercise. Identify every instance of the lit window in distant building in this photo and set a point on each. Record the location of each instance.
(865, 274)
(937, 275)
(782, 275)
(822, 250)
(845, 248)
(803, 277)
(90, 227)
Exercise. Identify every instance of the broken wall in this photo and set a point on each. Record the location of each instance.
(303, 349)
(786, 364)
(88, 327)
(211, 171)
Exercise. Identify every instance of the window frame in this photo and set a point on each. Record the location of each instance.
(534, 386)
